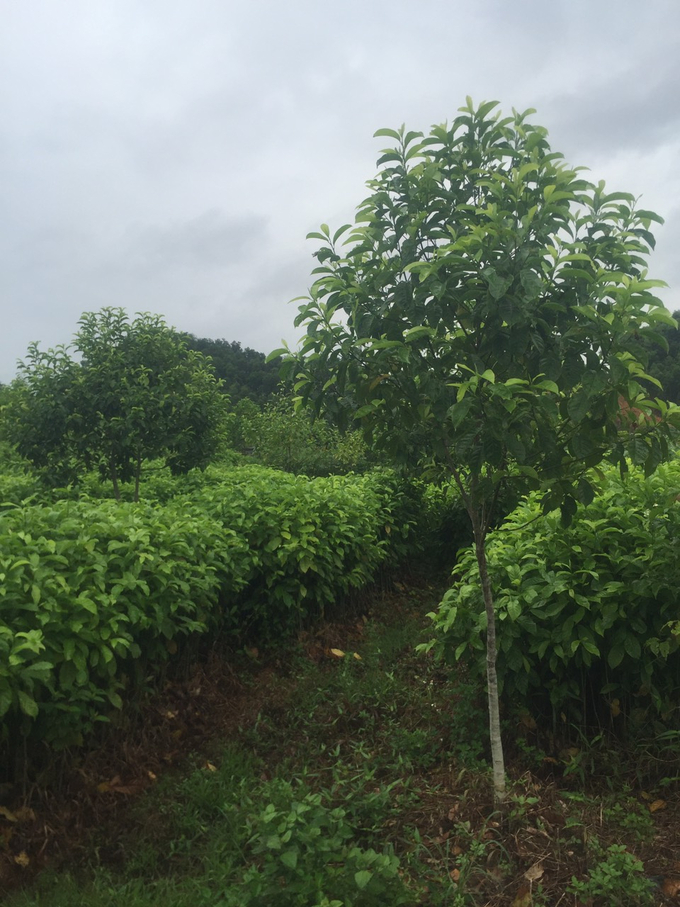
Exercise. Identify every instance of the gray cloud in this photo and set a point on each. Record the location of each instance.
(623, 112)
(210, 240)
(171, 157)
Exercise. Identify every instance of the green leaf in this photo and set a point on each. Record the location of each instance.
(654, 458)
(568, 509)
(632, 646)
(362, 878)
(531, 282)
(417, 332)
(27, 704)
(615, 656)
(459, 411)
(115, 699)
(578, 406)
(289, 858)
(638, 450)
(387, 133)
(340, 231)
(497, 285)
(516, 448)
(585, 492)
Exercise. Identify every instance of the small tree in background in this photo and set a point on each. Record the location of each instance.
(136, 393)
(491, 303)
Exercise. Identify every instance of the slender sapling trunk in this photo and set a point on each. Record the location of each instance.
(497, 757)
(138, 472)
(114, 479)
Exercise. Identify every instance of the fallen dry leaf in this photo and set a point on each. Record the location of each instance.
(671, 887)
(357, 656)
(22, 859)
(657, 805)
(523, 897)
(107, 786)
(7, 814)
(210, 767)
(534, 873)
(337, 653)
(116, 786)
(455, 874)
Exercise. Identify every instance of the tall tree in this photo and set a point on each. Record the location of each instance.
(482, 313)
(137, 392)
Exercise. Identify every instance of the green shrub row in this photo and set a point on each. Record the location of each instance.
(586, 616)
(88, 589)
(310, 541)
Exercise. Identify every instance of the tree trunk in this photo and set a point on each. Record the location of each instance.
(114, 479)
(138, 472)
(497, 758)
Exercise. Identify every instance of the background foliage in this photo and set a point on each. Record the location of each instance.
(136, 393)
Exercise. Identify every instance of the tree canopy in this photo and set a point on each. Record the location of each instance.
(484, 313)
(135, 392)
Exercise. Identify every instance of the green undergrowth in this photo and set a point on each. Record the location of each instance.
(365, 783)
(587, 615)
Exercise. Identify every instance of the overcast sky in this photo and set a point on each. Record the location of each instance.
(170, 156)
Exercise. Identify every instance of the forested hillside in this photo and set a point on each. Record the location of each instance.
(245, 372)
(664, 364)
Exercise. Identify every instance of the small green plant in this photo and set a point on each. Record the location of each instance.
(304, 853)
(456, 869)
(616, 880)
(631, 816)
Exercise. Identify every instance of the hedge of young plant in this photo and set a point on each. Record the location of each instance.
(587, 617)
(87, 589)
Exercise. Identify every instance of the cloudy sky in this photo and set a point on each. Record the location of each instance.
(170, 156)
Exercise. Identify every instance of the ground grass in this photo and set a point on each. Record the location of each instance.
(361, 780)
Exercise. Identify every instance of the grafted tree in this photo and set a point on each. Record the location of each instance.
(484, 314)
